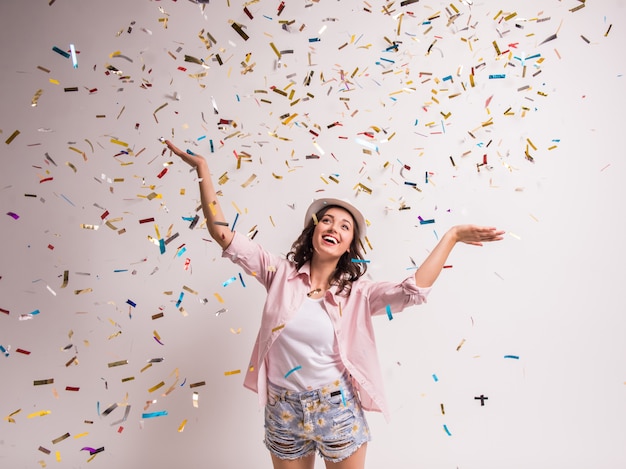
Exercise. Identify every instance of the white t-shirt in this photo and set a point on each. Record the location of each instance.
(305, 355)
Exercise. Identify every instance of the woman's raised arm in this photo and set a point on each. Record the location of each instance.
(216, 222)
(430, 269)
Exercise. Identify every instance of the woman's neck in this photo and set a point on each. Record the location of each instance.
(321, 273)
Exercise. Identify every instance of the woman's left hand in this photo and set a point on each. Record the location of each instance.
(477, 235)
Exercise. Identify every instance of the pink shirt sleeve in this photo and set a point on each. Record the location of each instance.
(397, 296)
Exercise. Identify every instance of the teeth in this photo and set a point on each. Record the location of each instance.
(330, 239)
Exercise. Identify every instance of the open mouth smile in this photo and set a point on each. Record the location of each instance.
(330, 239)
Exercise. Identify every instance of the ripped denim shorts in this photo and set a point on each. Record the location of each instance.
(329, 419)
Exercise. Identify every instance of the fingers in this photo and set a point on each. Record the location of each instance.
(477, 235)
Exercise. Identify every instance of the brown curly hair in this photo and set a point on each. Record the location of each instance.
(346, 271)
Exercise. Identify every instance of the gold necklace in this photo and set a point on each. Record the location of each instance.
(314, 292)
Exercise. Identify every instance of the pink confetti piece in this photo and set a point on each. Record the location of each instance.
(13, 215)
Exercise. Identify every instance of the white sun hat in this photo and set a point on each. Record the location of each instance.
(319, 204)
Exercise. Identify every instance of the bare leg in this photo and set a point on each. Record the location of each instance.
(307, 462)
(355, 461)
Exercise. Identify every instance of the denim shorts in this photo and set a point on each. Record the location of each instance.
(329, 419)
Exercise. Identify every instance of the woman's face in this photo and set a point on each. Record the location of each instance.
(333, 233)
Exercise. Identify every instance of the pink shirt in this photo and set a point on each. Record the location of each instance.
(351, 317)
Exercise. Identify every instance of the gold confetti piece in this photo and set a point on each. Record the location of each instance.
(278, 328)
(145, 367)
(156, 386)
(198, 384)
(12, 137)
(36, 97)
(238, 331)
(275, 50)
(195, 399)
(130, 378)
(40, 413)
(249, 181)
(80, 435)
(54, 81)
(9, 418)
(233, 372)
(182, 426)
(186, 288)
(514, 235)
(60, 439)
(118, 363)
(460, 345)
(119, 142)
(39, 382)
(57, 455)
(84, 290)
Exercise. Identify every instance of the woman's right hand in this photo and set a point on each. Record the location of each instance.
(188, 156)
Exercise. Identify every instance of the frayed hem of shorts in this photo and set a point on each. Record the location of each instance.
(287, 458)
(337, 460)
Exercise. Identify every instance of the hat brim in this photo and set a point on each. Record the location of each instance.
(319, 204)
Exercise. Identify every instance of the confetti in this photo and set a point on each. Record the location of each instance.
(12, 137)
(151, 415)
(299, 367)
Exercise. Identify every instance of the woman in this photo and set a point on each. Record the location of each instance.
(314, 364)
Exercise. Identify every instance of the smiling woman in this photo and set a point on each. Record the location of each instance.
(121, 325)
(316, 341)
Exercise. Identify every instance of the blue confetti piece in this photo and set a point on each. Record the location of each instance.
(497, 76)
(181, 251)
(314, 39)
(132, 303)
(180, 298)
(162, 245)
(189, 152)
(514, 357)
(120, 270)
(202, 137)
(5, 351)
(229, 281)
(62, 52)
(35, 312)
(343, 397)
(241, 280)
(293, 369)
(389, 315)
(362, 261)
(448, 78)
(150, 415)
(427, 222)
(235, 222)
(211, 144)
(445, 428)
(435, 377)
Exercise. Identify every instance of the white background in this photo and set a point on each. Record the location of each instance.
(549, 294)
